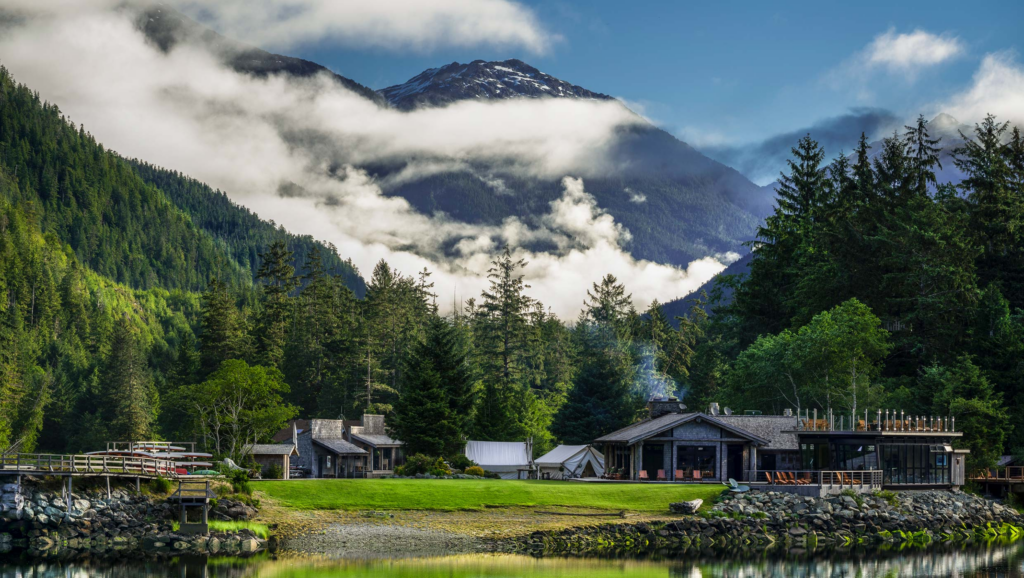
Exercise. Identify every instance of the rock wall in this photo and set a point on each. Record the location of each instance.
(759, 519)
(42, 521)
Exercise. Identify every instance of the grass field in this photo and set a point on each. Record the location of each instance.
(388, 494)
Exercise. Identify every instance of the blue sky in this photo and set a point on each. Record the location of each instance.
(725, 73)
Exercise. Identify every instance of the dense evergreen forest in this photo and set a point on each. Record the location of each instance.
(871, 285)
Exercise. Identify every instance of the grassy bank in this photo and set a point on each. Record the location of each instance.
(476, 494)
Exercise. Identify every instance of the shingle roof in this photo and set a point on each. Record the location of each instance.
(777, 429)
(273, 450)
(375, 440)
(339, 446)
(649, 427)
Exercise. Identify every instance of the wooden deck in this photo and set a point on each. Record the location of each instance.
(1007, 475)
(86, 465)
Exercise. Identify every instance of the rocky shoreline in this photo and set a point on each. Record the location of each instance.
(768, 519)
(90, 521)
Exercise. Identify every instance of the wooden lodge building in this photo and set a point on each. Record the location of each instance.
(803, 454)
(334, 448)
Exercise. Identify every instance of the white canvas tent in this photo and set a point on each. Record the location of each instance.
(510, 460)
(566, 462)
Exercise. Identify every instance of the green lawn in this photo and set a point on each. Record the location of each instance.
(389, 494)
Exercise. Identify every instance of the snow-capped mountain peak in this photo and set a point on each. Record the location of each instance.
(479, 79)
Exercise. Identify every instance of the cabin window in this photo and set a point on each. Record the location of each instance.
(701, 458)
(854, 456)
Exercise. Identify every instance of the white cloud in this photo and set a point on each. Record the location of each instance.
(997, 88)
(250, 137)
(908, 51)
(389, 24)
(635, 197)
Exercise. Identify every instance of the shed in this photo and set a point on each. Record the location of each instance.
(510, 460)
(567, 462)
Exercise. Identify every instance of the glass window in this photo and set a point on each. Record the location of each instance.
(689, 458)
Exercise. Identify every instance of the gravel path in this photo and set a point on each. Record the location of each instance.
(368, 541)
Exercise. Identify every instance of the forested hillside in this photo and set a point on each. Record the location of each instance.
(241, 231)
(95, 202)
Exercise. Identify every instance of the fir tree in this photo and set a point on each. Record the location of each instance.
(129, 387)
(278, 277)
(222, 335)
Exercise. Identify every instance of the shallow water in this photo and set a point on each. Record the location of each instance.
(960, 562)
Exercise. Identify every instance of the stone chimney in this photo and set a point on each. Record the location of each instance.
(658, 407)
(713, 410)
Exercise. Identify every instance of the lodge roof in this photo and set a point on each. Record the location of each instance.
(339, 446)
(273, 450)
(777, 429)
(649, 427)
(375, 440)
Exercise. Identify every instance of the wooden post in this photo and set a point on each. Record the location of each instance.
(138, 484)
(108, 487)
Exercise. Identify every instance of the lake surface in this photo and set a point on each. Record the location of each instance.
(963, 562)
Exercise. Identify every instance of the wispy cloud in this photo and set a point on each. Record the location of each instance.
(909, 51)
(997, 88)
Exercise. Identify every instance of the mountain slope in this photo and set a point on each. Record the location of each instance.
(241, 231)
(479, 79)
(678, 204)
(166, 28)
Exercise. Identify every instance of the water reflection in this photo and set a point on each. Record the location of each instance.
(970, 562)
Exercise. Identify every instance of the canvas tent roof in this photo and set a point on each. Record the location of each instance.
(493, 455)
(559, 455)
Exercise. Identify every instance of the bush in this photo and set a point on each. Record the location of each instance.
(275, 472)
(160, 485)
(440, 468)
(240, 482)
(852, 494)
(415, 464)
(889, 496)
(475, 471)
(461, 462)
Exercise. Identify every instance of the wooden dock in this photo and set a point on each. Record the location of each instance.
(86, 465)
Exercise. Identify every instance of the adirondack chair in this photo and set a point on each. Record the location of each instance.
(791, 478)
(768, 476)
(680, 475)
(661, 476)
(804, 479)
(642, 476)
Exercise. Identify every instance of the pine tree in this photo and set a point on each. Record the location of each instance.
(278, 277)
(129, 388)
(222, 333)
(924, 155)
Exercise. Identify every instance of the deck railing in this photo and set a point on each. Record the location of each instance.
(1006, 474)
(823, 478)
(192, 492)
(86, 464)
(159, 446)
(885, 421)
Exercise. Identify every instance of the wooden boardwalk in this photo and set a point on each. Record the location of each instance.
(86, 465)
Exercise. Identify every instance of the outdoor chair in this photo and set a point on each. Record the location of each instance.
(768, 477)
(642, 476)
(680, 476)
(697, 475)
(661, 476)
(804, 479)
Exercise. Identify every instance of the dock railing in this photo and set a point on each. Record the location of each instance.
(62, 464)
(841, 479)
(1004, 474)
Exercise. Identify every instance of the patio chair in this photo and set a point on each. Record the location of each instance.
(642, 476)
(768, 476)
(680, 475)
(697, 475)
(661, 476)
(804, 479)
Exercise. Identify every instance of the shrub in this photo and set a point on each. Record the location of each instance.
(852, 494)
(160, 485)
(275, 472)
(889, 496)
(440, 468)
(415, 464)
(475, 471)
(240, 482)
(461, 462)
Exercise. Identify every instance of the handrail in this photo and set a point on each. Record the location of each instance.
(1006, 473)
(87, 464)
(824, 478)
(885, 421)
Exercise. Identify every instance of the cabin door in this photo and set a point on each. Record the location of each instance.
(734, 456)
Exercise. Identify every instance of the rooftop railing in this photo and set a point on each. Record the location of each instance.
(885, 421)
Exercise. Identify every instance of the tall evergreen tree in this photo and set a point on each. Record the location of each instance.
(129, 388)
(278, 277)
(221, 337)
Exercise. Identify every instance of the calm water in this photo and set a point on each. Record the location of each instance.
(968, 562)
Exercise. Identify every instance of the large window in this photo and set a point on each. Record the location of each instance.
(854, 456)
(915, 464)
(689, 458)
(653, 458)
(814, 456)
